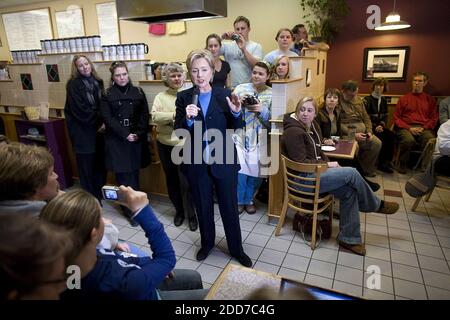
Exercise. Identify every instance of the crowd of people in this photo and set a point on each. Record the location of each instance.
(108, 128)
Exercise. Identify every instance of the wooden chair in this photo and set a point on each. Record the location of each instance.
(293, 198)
(427, 157)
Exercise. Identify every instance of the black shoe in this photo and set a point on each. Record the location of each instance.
(373, 185)
(401, 170)
(202, 254)
(193, 224)
(178, 221)
(244, 260)
(385, 168)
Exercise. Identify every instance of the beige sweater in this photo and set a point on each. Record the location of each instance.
(163, 114)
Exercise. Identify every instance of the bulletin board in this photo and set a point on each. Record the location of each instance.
(108, 24)
(70, 23)
(25, 29)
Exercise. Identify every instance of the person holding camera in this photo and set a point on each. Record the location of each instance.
(125, 112)
(241, 54)
(256, 98)
(203, 112)
(163, 114)
(284, 39)
(109, 275)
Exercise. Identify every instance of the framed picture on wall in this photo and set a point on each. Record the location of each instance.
(390, 63)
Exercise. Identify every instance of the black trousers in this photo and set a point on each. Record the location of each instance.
(128, 179)
(442, 166)
(202, 193)
(177, 185)
(92, 172)
(387, 138)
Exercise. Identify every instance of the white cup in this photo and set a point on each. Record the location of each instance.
(66, 45)
(91, 44)
(97, 43)
(126, 52)
(48, 46)
(14, 56)
(79, 44)
(85, 44)
(60, 45)
(142, 49)
(106, 51)
(120, 55)
(54, 46)
(113, 53)
(29, 54)
(133, 51)
(72, 45)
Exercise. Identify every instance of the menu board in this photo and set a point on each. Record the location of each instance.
(25, 29)
(70, 23)
(107, 23)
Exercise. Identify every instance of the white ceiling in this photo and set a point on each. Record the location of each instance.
(13, 3)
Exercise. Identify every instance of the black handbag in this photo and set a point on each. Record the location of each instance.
(303, 224)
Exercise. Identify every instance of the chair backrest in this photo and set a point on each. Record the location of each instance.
(302, 182)
(427, 154)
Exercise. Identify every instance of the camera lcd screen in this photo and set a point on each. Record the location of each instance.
(111, 194)
(316, 292)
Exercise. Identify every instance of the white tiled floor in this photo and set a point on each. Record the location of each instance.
(411, 249)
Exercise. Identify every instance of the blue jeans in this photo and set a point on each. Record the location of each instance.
(247, 187)
(185, 285)
(355, 195)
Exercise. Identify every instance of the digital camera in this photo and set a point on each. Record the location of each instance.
(235, 37)
(250, 100)
(111, 193)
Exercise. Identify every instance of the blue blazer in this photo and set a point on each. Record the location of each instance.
(218, 117)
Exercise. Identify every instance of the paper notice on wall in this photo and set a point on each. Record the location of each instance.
(107, 23)
(70, 23)
(26, 29)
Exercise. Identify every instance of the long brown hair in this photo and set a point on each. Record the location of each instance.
(74, 73)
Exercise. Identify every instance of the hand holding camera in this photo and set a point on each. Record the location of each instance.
(251, 103)
(133, 199)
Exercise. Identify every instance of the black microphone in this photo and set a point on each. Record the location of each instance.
(195, 94)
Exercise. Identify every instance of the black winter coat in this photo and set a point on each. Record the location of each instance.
(378, 117)
(124, 113)
(82, 118)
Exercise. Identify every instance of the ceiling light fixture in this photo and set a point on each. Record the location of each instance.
(393, 22)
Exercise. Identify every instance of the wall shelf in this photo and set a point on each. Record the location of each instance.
(65, 53)
(25, 64)
(9, 80)
(111, 61)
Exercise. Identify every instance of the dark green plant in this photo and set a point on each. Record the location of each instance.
(325, 18)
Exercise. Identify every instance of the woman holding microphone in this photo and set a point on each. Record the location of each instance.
(198, 110)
